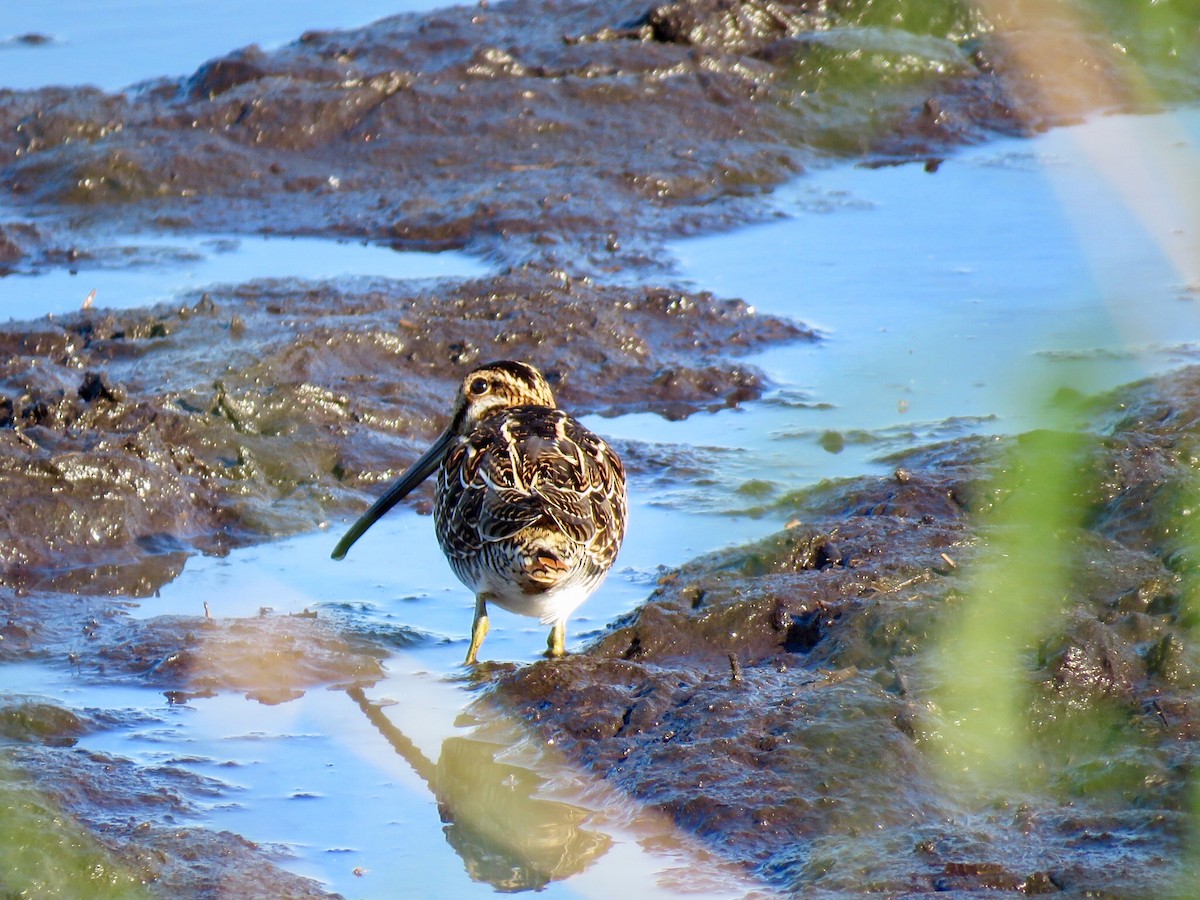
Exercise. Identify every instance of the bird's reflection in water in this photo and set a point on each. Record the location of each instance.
(507, 836)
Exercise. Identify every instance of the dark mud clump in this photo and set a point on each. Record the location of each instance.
(131, 439)
(780, 699)
(572, 133)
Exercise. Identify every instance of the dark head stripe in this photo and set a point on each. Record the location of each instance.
(520, 370)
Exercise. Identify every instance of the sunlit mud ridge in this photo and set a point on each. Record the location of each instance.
(788, 702)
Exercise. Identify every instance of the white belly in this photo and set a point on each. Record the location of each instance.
(550, 607)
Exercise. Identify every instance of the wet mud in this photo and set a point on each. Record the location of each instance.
(568, 133)
(770, 698)
(130, 439)
(778, 699)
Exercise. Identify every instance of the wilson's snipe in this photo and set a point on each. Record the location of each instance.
(530, 506)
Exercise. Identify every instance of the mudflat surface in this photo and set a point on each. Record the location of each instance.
(569, 133)
(773, 699)
(784, 700)
(131, 438)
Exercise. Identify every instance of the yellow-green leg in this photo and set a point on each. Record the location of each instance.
(556, 645)
(479, 629)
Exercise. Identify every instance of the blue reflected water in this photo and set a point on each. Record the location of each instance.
(970, 293)
(116, 43)
(128, 271)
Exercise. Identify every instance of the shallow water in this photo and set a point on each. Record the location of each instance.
(1015, 266)
(951, 302)
(947, 300)
(352, 796)
(129, 271)
(122, 42)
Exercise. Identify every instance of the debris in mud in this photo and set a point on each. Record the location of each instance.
(33, 39)
(792, 678)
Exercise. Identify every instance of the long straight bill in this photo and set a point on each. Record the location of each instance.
(418, 472)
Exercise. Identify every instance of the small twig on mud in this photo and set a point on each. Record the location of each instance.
(26, 439)
(735, 668)
(1161, 714)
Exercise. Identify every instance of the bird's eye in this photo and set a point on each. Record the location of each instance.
(478, 387)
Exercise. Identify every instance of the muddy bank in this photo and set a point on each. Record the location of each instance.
(780, 700)
(130, 439)
(571, 133)
(93, 823)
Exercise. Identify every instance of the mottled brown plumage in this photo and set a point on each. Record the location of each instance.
(530, 506)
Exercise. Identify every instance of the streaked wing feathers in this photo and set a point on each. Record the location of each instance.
(529, 466)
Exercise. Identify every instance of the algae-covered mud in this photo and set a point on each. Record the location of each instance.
(194, 701)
